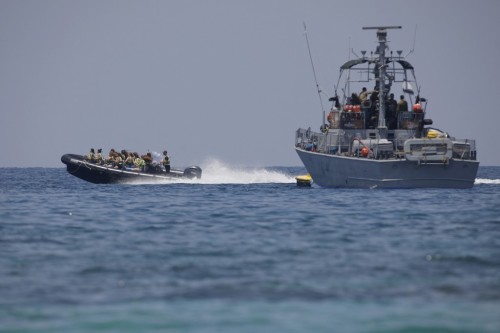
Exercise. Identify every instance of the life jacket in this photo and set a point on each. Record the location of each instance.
(129, 161)
(139, 162)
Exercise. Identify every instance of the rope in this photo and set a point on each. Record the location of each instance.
(79, 166)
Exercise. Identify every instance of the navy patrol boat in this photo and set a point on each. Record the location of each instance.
(78, 166)
(371, 141)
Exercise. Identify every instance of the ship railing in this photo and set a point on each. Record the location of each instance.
(410, 120)
(327, 142)
(352, 120)
(464, 149)
(307, 139)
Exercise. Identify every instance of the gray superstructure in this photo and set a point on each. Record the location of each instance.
(371, 143)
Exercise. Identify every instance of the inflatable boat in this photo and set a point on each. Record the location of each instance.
(77, 166)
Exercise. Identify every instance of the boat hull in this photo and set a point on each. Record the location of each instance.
(340, 171)
(99, 174)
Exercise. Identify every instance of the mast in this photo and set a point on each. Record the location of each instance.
(382, 40)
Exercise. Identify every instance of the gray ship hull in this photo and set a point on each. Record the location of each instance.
(340, 171)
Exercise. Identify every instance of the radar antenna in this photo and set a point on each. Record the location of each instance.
(383, 27)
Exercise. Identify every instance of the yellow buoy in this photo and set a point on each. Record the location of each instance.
(304, 180)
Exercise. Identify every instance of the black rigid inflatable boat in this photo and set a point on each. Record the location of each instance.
(77, 166)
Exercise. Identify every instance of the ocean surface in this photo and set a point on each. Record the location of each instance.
(246, 250)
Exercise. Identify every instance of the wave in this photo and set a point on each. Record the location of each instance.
(487, 181)
(217, 172)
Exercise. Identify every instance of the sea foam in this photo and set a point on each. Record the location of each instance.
(217, 172)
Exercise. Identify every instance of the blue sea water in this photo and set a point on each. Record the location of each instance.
(246, 250)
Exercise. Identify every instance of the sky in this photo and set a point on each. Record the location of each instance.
(225, 80)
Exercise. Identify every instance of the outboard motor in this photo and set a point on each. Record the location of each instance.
(192, 172)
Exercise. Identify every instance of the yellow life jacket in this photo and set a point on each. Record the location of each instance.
(139, 162)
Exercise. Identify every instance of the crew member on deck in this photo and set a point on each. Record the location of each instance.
(118, 160)
(363, 95)
(148, 160)
(111, 156)
(391, 115)
(129, 160)
(138, 162)
(91, 156)
(355, 100)
(98, 156)
(402, 104)
(372, 113)
(166, 161)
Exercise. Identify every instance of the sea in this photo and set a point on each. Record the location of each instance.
(246, 250)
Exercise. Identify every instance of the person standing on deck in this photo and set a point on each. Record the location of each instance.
(402, 105)
(91, 156)
(391, 115)
(166, 161)
(98, 156)
(363, 95)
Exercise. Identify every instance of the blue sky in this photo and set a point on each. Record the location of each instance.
(225, 80)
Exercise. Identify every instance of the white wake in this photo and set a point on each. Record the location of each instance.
(487, 181)
(217, 172)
